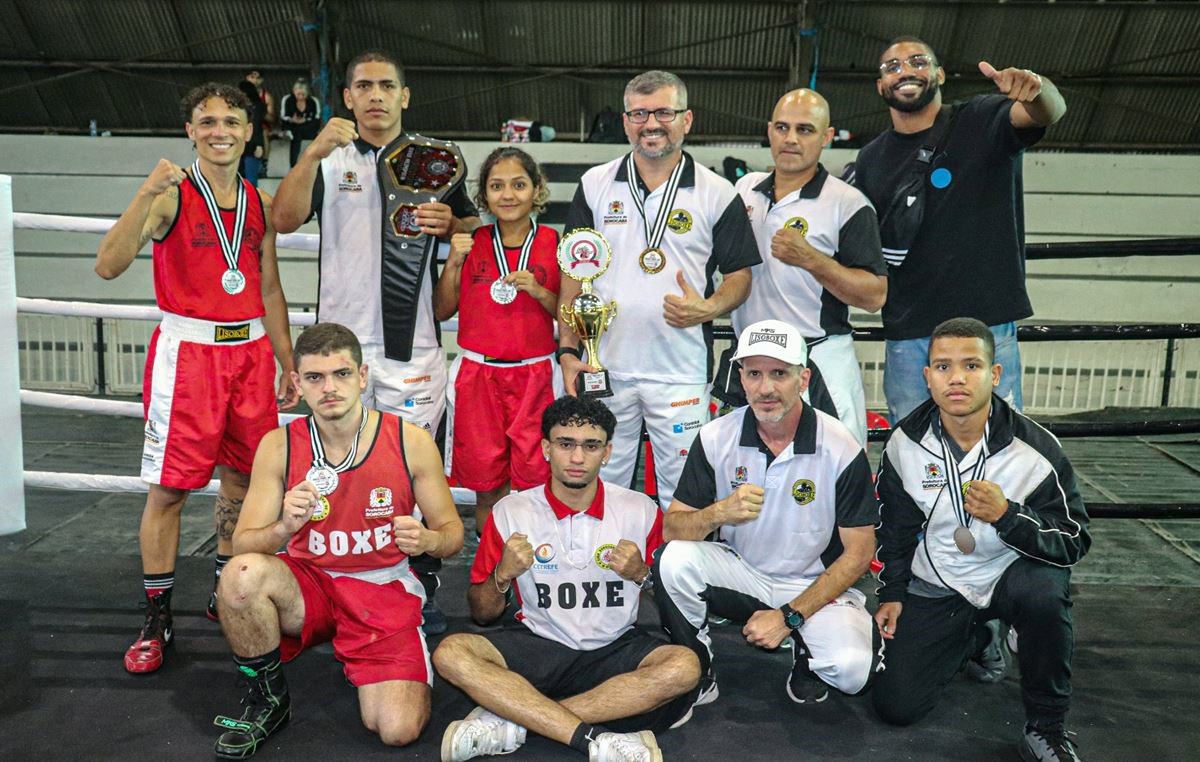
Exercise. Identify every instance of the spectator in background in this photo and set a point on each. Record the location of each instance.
(270, 113)
(300, 114)
(253, 161)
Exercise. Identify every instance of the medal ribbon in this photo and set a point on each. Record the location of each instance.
(954, 478)
(498, 250)
(318, 447)
(654, 233)
(230, 249)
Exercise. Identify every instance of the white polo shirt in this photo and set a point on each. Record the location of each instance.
(837, 220)
(822, 483)
(707, 232)
(570, 595)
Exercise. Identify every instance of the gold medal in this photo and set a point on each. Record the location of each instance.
(652, 260)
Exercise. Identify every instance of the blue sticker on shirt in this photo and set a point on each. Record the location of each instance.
(940, 177)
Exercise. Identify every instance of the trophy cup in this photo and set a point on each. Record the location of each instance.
(412, 170)
(584, 255)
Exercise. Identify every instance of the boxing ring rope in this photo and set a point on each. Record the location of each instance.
(111, 483)
(308, 242)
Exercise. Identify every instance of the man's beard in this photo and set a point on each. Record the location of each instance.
(927, 95)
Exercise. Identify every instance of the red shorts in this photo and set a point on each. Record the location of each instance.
(375, 629)
(498, 424)
(205, 405)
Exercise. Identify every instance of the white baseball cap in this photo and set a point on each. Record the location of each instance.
(772, 338)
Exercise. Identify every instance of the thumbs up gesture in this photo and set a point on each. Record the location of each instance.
(688, 308)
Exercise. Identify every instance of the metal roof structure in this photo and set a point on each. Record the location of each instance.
(1129, 69)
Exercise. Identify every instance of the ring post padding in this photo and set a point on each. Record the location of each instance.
(12, 507)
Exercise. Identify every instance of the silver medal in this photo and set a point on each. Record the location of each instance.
(964, 540)
(233, 281)
(503, 293)
(324, 478)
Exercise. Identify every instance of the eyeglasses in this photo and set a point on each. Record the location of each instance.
(568, 446)
(663, 115)
(919, 62)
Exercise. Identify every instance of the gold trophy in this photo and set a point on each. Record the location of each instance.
(584, 255)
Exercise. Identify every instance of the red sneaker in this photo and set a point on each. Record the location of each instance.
(146, 653)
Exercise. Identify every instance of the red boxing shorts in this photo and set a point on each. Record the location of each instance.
(375, 628)
(498, 422)
(208, 393)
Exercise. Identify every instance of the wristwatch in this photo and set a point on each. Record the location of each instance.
(558, 353)
(792, 618)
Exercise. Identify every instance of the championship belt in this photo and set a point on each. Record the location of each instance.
(584, 255)
(413, 170)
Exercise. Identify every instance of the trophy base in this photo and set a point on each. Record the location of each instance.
(593, 385)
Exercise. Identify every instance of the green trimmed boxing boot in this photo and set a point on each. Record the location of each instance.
(267, 708)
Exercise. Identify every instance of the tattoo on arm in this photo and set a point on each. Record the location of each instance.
(227, 511)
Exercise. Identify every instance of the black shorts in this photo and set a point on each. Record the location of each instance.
(559, 671)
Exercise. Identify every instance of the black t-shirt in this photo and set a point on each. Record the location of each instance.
(968, 259)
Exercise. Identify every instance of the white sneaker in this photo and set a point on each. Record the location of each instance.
(625, 747)
(481, 733)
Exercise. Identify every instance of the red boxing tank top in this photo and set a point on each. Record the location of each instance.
(357, 533)
(515, 331)
(188, 263)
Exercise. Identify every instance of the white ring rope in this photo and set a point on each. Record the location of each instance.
(110, 483)
(101, 407)
(117, 311)
(63, 223)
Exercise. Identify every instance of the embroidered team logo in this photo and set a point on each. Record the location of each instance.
(803, 491)
(615, 214)
(321, 512)
(768, 335)
(543, 558)
(380, 503)
(680, 221)
(603, 555)
(797, 223)
(350, 182)
(934, 477)
(740, 477)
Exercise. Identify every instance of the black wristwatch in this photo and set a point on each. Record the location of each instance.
(558, 353)
(792, 618)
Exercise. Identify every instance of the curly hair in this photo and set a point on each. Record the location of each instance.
(578, 411)
(541, 191)
(232, 96)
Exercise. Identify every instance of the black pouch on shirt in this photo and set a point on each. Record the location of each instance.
(900, 222)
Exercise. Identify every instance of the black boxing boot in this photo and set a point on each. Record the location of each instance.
(267, 708)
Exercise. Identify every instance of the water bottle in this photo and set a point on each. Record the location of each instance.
(92, 128)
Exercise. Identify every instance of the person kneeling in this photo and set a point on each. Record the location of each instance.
(345, 577)
(574, 669)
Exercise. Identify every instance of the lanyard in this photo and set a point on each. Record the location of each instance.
(231, 249)
(654, 232)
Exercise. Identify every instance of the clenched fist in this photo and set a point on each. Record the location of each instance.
(516, 560)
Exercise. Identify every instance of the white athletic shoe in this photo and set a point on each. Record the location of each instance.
(481, 733)
(625, 747)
